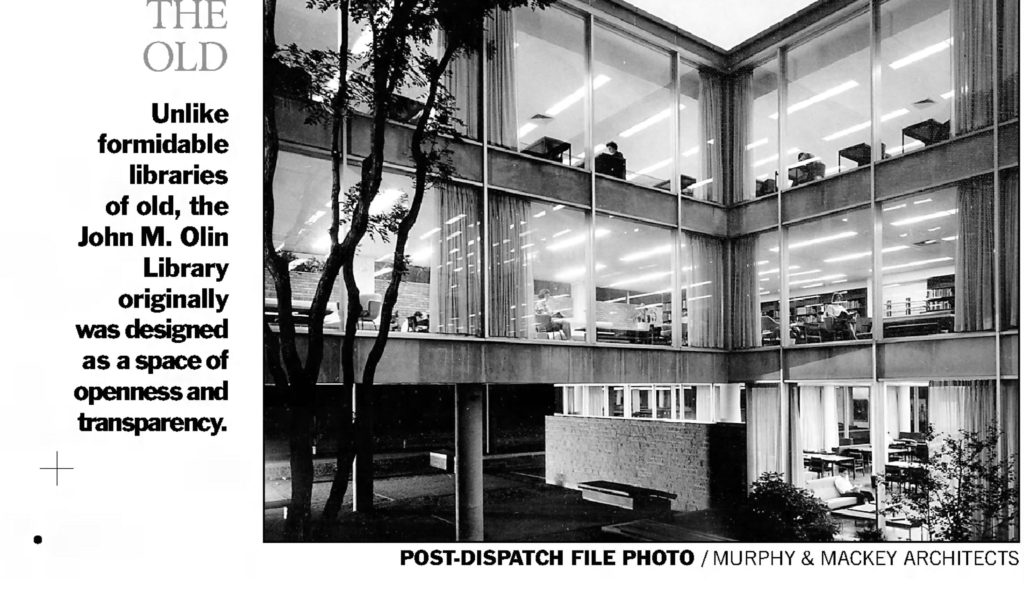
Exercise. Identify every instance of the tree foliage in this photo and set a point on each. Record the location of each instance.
(328, 83)
(965, 492)
(778, 511)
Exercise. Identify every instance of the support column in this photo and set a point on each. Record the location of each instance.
(469, 463)
(362, 470)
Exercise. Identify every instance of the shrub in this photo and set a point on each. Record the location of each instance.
(777, 511)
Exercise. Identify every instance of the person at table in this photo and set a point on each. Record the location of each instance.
(611, 162)
(557, 322)
(418, 323)
(810, 168)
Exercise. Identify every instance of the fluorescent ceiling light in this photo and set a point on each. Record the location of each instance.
(917, 263)
(908, 146)
(635, 256)
(385, 200)
(811, 272)
(430, 233)
(856, 255)
(822, 278)
(691, 152)
(776, 270)
(561, 233)
(649, 169)
(923, 53)
(422, 255)
(316, 217)
(455, 219)
(526, 129)
(813, 285)
(834, 91)
(946, 95)
(383, 271)
(861, 126)
(928, 217)
(540, 214)
(700, 183)
(764, 161)
(640, 278)
(820, 240)
(558, 207)
(757, 144)
(575, 97)
(897, 207)
(652, 120)
(922, 201)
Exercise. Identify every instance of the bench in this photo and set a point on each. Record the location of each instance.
(626, 496)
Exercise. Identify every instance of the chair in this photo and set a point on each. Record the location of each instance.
(920, 452)
(816, 465)
(861, 327)
(769, 331)
(812, 332)
(371, 304)
(546, 327)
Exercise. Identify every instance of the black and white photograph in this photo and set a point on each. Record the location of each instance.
(649, 271)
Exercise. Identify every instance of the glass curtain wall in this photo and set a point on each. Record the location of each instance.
(440, 291)
(916, 66)
(633, 277)
(755, 148)
(540, 86)
(937, 263)
(633, 105)
(538, 269)
(701, 139)
(828, 117)
(830, 278)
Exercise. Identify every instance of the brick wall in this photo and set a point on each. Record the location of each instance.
(701, 463)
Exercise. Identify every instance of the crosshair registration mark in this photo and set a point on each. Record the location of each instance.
(56, 468)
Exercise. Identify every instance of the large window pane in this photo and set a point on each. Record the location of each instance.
(937, 264)
(633, 274)
(632, 108)
(1009, 222)
(538, 269)
(550, 87)
(702, 298)
(829, 277)
(700, 133)
(829, 111)
(758, 151)
(440, 290)
(917, 88)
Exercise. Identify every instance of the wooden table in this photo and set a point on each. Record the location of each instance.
(866, 512)
(832, 460)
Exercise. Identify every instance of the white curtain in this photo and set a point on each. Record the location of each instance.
(1009, 59)
(457, 264)
(703, 275)
(463, 83)
(975, 248)
(972, 63)
(511, 270)
(710, 102)
(897, 404)
(705, 404)
(500, 39)
(819, 429)
(742, 125)
(745, 313)
(767, 432)
(961, 405)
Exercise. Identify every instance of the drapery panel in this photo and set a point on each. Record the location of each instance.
(897, 410)
(457, 263)
(1009, 258)
(819, 429)
(742, 173)
(961, 405)
(463, 83)
(745, 311)
(975, 246)
(972, 64)
(711, 106)
(1009, 59)
(702, 265)
(511, 271)
(767, 432)
(500, 39)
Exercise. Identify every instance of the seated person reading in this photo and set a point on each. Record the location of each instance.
(810, 168)
(547, 322)
(612, 162)
(417, 323)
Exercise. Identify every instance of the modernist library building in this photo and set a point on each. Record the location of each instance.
(710, 264)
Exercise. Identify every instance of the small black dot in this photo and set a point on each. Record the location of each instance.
(38, 539)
